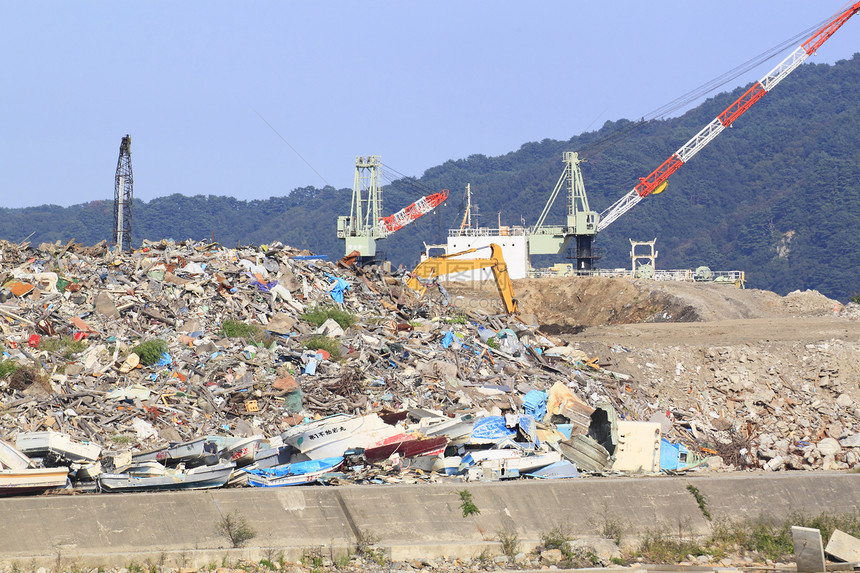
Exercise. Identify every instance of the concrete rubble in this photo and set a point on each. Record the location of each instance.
(134, 351)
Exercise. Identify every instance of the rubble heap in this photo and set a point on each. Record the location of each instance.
(178, 340)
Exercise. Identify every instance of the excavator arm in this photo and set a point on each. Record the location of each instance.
(447, 264)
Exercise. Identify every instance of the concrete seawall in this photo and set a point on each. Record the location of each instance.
(181, 528)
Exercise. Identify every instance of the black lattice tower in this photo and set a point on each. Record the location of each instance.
(122, 197)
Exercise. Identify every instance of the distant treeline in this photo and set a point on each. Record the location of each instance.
(777, 196)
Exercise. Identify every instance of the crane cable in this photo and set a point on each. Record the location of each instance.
(407, 180)
(682, 101)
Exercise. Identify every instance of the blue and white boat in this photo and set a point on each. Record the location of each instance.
(292, 474)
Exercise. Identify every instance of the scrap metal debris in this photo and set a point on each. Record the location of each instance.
(184, 342)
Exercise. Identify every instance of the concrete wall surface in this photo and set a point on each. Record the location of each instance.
(409, 520)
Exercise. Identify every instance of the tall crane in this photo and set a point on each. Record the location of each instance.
(657, 179)
(581, 222)
(365, 224)
(122, 197)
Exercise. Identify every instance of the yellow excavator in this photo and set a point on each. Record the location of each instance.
(446, 264)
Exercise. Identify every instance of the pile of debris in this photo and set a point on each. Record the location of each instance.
(182, 341)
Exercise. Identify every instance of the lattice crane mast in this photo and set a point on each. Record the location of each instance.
(123, 197)
(365, 224)
(658, 177)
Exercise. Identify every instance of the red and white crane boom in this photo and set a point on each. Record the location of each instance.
(648, 184)
(403, 217)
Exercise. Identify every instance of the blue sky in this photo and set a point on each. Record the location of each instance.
(415, 82)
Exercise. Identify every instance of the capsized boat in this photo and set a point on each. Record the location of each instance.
(180, 452)
(271, 457)
(431, 424)
(41, 444)
(505, 463)
(331, 436)
(407, 448)
(243, 451)
(292, 474)
(202, 477)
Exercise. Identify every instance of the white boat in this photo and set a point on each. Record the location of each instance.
(243, 451)
(193, 451)
(40, 444)
(273, 456)
(142, 469)
(333, 435)
(532, 462)
(12, 458)
(292, 474)
(203, 477)
(31, 480)
(453, 428)
(506, 463)
(18, 476)
(447, 465)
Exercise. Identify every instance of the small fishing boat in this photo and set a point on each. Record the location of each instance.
(407, 448)
(12, 458)
(453, 428)
(203, 477)
(271, 457)
(242, 452)
(292, 474)
(31, 480)
(18, 475)
(179, 452)
(41, 444)
(333, 435)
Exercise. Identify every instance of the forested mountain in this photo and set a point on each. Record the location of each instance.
(777, 196)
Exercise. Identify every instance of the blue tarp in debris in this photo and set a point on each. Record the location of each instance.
(339, 287)
(298, 468)
(264, 287)
(490, 429)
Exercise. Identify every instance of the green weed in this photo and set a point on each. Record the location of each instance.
(556, 538)
(236, 329)
(467, 505)
(364, 541)
(509, 541)
(342, 561)
(317, 315)
(150, 351)
(701, 500)
(67, 346)
(235, 527)
(658, 546)
(8, 367)
(312, 557)
(320, 342)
